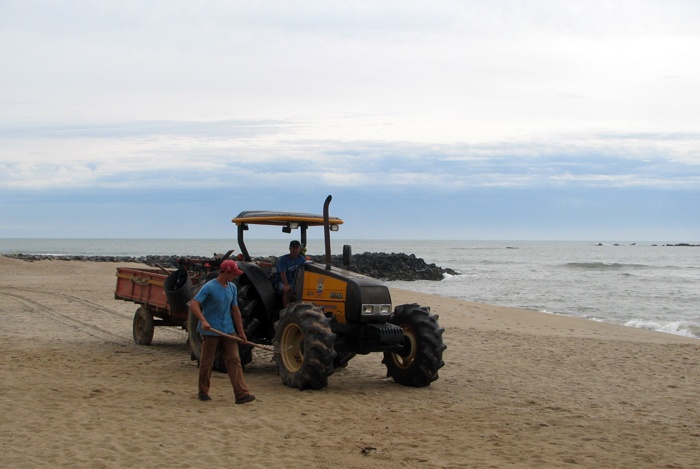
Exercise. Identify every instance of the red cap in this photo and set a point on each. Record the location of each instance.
(230, 266)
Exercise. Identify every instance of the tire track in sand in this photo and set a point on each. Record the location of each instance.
(173, 332)
(66, 319)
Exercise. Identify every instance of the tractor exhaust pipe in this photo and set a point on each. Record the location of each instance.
(327, 231)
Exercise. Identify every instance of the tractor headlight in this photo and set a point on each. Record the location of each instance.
(376, 310)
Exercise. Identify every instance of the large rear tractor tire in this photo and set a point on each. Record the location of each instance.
(250, 308)
(421, 359)
(143, 326)
(304, 337)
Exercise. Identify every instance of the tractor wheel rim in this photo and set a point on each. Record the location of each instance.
(293, 345)
(405, 361)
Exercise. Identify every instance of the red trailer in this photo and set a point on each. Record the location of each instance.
(162, 299)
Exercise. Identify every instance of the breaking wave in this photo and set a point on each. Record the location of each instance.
(684, 328)
(605, 266)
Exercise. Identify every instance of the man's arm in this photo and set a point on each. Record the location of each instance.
(196, 308)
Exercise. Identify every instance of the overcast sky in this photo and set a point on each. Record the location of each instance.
(461, 119)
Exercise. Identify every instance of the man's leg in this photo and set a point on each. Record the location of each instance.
(283, 294)
(206, 361)
(235, 370)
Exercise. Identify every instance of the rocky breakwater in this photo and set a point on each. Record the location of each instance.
(389, 267)
(383, 266)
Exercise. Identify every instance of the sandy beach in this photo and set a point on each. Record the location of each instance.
(519, 389)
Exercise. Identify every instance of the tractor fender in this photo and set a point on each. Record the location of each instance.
(261, 283)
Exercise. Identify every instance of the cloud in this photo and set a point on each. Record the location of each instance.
(395, 101)
(443, 70)
(187, 154)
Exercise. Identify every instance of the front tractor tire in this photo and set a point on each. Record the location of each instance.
(305, 341)
(418, 364)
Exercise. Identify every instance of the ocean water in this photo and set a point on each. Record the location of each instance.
(646, 285)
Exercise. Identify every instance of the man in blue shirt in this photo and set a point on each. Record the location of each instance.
(216, 307)
(287, 268)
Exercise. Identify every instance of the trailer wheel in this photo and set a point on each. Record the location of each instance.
(421, 359)
(143, 326)
(193, 338)
(306, 341)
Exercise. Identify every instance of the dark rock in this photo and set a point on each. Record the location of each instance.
(387, 267)
(394, 266)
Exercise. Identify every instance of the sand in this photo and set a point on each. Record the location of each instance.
(519, 389)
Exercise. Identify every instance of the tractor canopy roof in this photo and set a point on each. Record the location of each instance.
(289, 221)
(264, 217)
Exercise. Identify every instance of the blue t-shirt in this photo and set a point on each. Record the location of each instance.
(289, 266)
(217, 302)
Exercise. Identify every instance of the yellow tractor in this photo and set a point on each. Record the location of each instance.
(333, 314)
